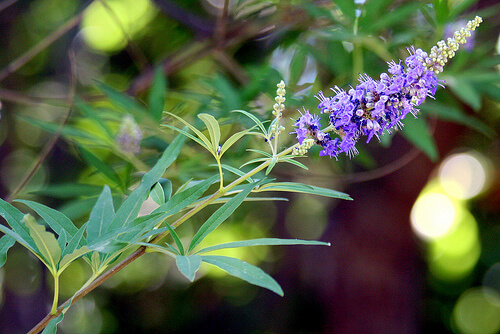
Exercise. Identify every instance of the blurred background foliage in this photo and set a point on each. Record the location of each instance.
(417, 250)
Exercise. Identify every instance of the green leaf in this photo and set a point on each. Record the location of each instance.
(347, 7)
(441, 10)
(52, 325)
(131, 206)
(177, 240)
(78, 240)
(101, 216)
(167, 188)
(69, 190)
(451, 113)
(157, 94)
(221, 215)
(231, 140)
(157, 194)
(255, 119)
(466, 91)
(213, 129)
(67, 131)
(235, 171)
(14, 217)
(100, 165)
(68, 258)
(188, 265)
(271, 165)
(122, 100)
(5, 243)
(203, 140)
(302, 188)
(418, 133)
(245, 271)
(392, 17)
(45, 241)
(294, 162)
(184, 198)
(262, 242)
(55, 219)
(18, 238)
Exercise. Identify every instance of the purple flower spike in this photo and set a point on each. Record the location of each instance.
(375, 106)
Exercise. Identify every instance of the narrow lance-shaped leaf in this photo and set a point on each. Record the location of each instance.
(213, 129)
(188, 265)
(78, 240)
(55, 219)
(418, 133)
(100, 165)
(101, 216)
(221, 215)
(6, 242)
(131, 206)
(303, 188)
(14, 217)
(231, 140)
(245, 271)
(52, 325)
(46, 242)
(157, 94)
(203, 140)
(184, 198)
(262, 242)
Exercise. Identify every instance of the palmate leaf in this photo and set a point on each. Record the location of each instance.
(261, 242)
(6, 242)
(302, 188)
(221, 215)
(188, 265)
(245, 271)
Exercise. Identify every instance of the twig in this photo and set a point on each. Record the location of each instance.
(7, 3)
(50, 145)
(42, 45)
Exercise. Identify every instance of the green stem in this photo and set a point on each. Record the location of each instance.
(142, 250)
(53, 310)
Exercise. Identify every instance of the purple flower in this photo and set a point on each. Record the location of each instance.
(375, 106)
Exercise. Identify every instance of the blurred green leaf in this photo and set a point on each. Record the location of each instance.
(419, 134)
(221, 215)
(451, 113)
(101, 166)
(395, 16)
(245, 271)
(6, 242)
(188, 265)
(157, 94)
(69, 190)
(466, 91)
(441, 11)
(347, 7)
(261, 242)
